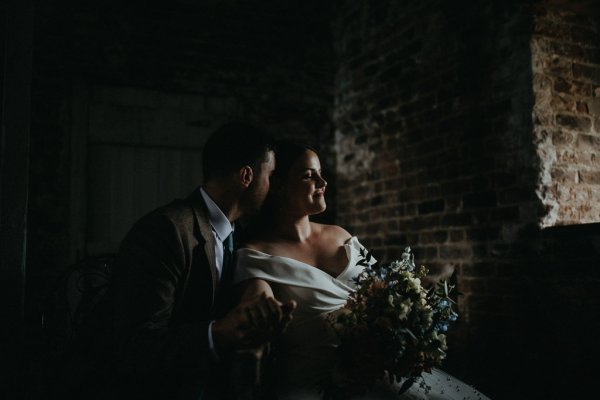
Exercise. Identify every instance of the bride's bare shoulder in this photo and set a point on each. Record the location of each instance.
(334, 232)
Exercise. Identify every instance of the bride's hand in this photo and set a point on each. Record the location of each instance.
(288, 314)
(252, 323)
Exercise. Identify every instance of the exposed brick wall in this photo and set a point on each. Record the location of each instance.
(436, 149)
(433, 135)
(566, 83)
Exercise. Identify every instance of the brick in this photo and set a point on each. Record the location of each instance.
(550, 29)
(572, 122)
(407, 195)
(411, 209)
(572, 88)
(393, 211)
(454, 252)
(433, 237)
(377, 200)
(582, 33)
(562, 138)
(424, 253)
(557, 66)
(561, 102)
(588, 142)
(452, 203)
(572, 51)
(431, 206)
(425, 222)
(457, 235)
(471, 285)
(562, 175)
(483, 234)
(581, 107)
(393, 225)
(479, 200)
(589, 177)
(479, 250)
(462, 219)
(477, 270)
(373, 175)
(393, 184)
(395, 240)
(375, 215)
(373, 229)
(594, 107)
(586, 73)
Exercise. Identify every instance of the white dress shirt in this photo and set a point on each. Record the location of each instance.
(221, 228)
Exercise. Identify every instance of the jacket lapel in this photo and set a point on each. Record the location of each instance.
(205, 230)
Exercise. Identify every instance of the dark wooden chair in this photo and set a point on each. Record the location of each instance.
(68, 302)
(72, 297)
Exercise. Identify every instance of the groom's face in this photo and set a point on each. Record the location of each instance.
(258, 189)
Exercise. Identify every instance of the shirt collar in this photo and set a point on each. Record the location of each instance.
(218, 220)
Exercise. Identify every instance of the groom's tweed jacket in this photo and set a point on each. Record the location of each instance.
(163, 295)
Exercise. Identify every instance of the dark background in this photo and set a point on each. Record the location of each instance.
(435, 122)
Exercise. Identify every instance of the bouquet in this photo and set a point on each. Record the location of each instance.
(391, 327)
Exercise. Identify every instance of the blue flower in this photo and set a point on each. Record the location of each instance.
(442, 326)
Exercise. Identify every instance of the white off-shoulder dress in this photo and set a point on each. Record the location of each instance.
(306, 356)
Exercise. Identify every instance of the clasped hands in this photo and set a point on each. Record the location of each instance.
(253, 323)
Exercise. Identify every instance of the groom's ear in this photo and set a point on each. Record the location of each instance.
(246, 175)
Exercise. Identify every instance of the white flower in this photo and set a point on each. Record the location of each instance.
(414, 284)
(395, 266)
(404, 309)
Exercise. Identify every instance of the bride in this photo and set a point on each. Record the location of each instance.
(291, 258)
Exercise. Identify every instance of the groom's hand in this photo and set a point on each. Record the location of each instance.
(252, 323)
(288, 311)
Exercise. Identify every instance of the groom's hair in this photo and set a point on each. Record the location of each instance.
(232, 146)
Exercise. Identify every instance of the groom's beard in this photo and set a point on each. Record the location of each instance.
(253, 199)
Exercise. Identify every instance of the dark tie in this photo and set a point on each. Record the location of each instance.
(227, 267)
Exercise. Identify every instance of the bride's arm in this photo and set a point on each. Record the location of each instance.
(253, 288)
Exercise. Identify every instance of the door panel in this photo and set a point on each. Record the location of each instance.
(142, 150)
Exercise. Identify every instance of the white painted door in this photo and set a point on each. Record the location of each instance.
(142, 150)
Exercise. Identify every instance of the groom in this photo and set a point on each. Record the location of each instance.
(170, 300)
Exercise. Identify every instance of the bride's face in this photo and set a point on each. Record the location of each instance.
(305, 187)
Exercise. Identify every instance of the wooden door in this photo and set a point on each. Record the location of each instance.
(142, 150)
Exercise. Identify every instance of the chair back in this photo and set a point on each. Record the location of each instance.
(72, 298)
